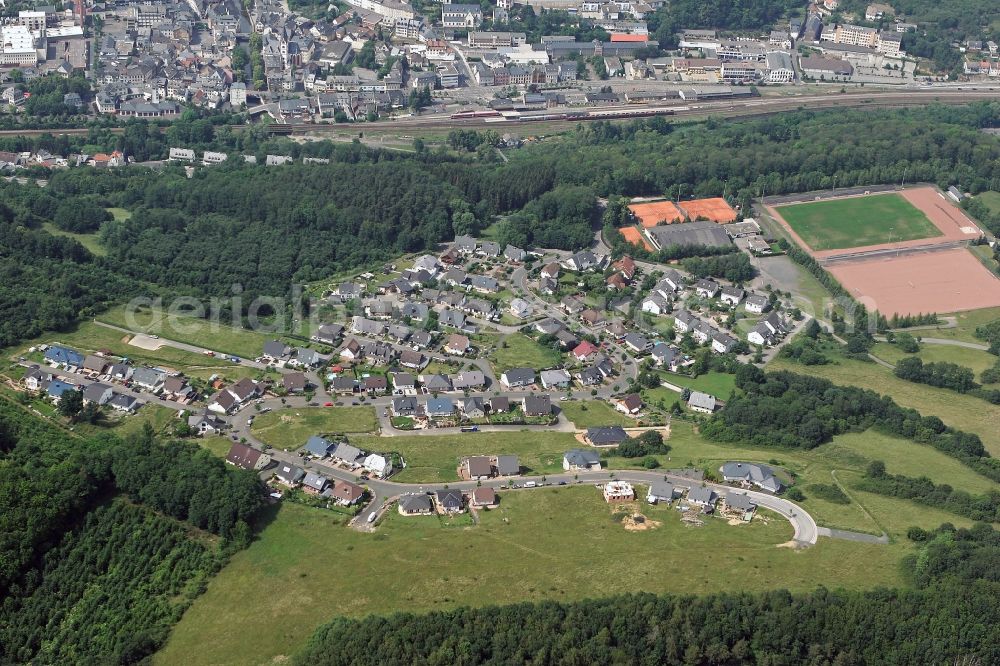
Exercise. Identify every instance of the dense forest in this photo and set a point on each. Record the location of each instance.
(100, 548)
(266, 228)
(950, 617)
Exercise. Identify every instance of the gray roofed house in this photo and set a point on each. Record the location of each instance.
(469, 379)
(329, 333)
(347, 453)
(637, 343)
(664, 355)
(704, 497)
(420, 339)
(489, 249)
(722, 342)
(732, 295)
(414, 311)
(484, 284)
(606, 435)
(756, 303)
(557, 378)
(405, 406)
(517, 377)
(98, 394)
(548, 326)
(440, 407)
(275, 349)
(699, 232)
(314, 482)
(473, 408)
(344, 385)
(123, 403)
(479, 467)
(582, 261)
(452, 319)
(465, 244)
(701, 402)
(761, 476)
(706, 288)
(575, 459)
(760, 334)
(740, 503)
(362, 326)
(436, 383)
(415, 503)
(150, 379)
(508, 466)
(537, 405)
(307, 357)
(289, 474)
(514, 253)
(319, 447)
(450, 500)
(454, 277)
(499, 403)
(661, 491)
(402, 381)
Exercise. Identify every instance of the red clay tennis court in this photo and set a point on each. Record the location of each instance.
(652, 213)
(715, 209)
(635, 237)
(939, 281)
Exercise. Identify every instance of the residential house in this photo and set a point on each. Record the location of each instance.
(470, 379)
(97, 394)
(449, 500)
(435, 383)
(439, 407)
(403, 382)
(484, 284)
(306, 358)
(150, 379)
(405, 406)
(550, 271)
(121, 372)
(630, 404)
(536, 405)
(606, 435)
(247, 457)
(706, 288)
(584, 350)
(367, 327)
(121, 402)
(701, 402)
(176, 388)
(344, 385)
(293, 382)
(56, 388)
(489, 250)
(508, 466)
(34, 378)
(581, 459)
(637, 343)
(739, 505)
(722, 342)
(94, 366)
(420, 339)
(514, 254)
(749, 474)
(499, 404)
(63, 356)
(375, 384)
(456, 344)
(760, 334)
(558, 378)
(548, 326)
(756, 304)
(518, 377)
(472, 408)
(351, 351)
(703, 497)
(346, 454)
(732, 295)
(593, 318)
(521, 308)
(626, 267)
(289, 475)
(346, 493)
(412, 359)
(661, 491)
(319, 447)
(655, 304)
(414, 504)
(665, 356)
(314, 484)
(618, 491)
(205, 423)
(478, 468)
(582, 261)
(572, 305)
(484, 497)
(275, 351)
(377, 464)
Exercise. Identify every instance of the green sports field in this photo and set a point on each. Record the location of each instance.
(858, 221)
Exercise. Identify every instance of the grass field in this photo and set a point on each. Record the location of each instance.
(88, 337)
(293, 577)
(960, 411)
(991, 200)
(217, 337)
(520, 351)
(435, 458)
(290, 428)
(970, 358)
(857, 221)
(718, 384)
(89, 241)
(966, 323)
(592, 413)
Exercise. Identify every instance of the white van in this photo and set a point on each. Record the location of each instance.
(530, 484)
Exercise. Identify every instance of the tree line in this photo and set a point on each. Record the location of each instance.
(924, 491)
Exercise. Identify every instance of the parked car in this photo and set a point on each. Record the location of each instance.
(328, 404)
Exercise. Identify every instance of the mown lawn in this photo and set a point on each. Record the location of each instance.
(991, 200)
(435, 458)
(718, 384)
(966, 325)
(593, 413)
(290, 428)
(292, 578)
(222, 337)
(520, 351)
(960, 411)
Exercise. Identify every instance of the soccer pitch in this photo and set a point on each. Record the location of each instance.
(857, 222)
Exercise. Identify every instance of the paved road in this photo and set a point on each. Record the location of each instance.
(852, 536)
(945, 341)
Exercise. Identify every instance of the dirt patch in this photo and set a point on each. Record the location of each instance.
(639, 523)
(145, 342)
(942, 281)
